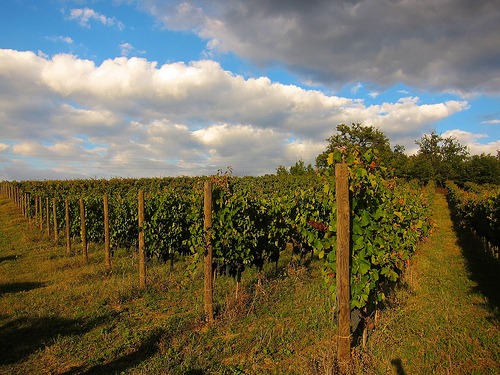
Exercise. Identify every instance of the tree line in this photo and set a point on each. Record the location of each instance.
(438, 159)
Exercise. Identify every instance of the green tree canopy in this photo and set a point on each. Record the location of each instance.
(357, 137)
(439, 159)
(298, 169)
(483, 169)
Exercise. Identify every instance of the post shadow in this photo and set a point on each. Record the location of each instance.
(399, 366)
(19, 287)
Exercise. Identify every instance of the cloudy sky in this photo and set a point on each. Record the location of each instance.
(165, 88)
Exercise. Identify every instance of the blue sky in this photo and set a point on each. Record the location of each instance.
(155, 88)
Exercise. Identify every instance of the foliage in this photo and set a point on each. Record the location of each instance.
(356, 138)
(438, 159)
(254, 218)
(298, 169)
(478, 209)
(388, 220)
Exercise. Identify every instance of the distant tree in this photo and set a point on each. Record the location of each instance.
(356, 137)
(483, 169)
(439, 159)
(282, 171)
(399, 162)
(298, 169)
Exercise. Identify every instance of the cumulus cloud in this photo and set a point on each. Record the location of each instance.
(471, 140)
(449, 45)
(83, 16)
(132, 117)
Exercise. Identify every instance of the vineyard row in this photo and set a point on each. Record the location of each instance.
(250, 228)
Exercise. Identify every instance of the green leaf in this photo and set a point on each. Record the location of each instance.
(364, 267)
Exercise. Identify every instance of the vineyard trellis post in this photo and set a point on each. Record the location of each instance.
(343, 277)
(36, 211)
(28, 209)
(207, 226)
(107, 255)
(47, 211)
(84, 231)
(41, 213)
(54, 212)
(68, 241)
(142, 256)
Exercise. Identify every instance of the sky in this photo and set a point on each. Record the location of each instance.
(143, 88)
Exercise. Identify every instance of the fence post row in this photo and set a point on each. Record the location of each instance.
(54, 211)
(107, 254)
(343, 278)
(84, 231)
(41, 213)
(209, 309)
(142, 257)
(47, 209)
(68, 242)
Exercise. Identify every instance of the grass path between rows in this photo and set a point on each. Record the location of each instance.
(446, 319)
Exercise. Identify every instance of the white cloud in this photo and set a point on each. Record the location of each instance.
(471, 141)
(130, 116)
(491, 122)
(83, 16)
(127, 48)
(356, 88)
(65, 39)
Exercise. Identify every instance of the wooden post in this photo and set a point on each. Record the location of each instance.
(107, 254)
(68, 242)
(54, 212)
(84, 231)
(41, 213)
(47, 209)
(26, 205)
(343, 278)
(209, 306)
(142, 256)
(28, 209)
(36, 211)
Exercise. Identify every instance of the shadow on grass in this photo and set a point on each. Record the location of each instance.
(148, 347)
(10, 257)
(24, 336)
(398, 365)
(19, 287)
(482, 267)
(145, 349)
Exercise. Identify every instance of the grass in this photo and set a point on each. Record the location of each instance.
(441, 321)
(59, 315)
(62, 316)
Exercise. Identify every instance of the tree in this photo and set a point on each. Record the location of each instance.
(356, 137)
(483, 169)
(282, 171)
(439, 159)
(399, 162)
(298, 169)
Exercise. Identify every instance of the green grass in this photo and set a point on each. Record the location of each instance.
(59, 315)
(62, 316)
(439, 323)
